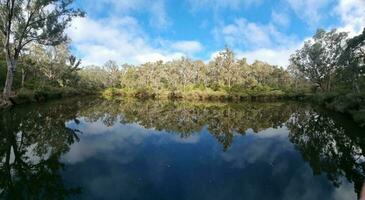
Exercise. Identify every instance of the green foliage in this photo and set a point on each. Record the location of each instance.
(110, 92)
(346, 103)
(223, 77)
(196, 93)
(352, 60)
(32, 22)
(51, 73)
(318, 59)
(332, 62)
(359, 117)
(349, 103)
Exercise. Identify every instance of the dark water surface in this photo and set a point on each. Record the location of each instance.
(95, 149)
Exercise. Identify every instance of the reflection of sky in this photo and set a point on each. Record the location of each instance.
(130, 162)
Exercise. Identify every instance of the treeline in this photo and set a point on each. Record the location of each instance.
(329, 62)
(222, 73)
(224, 76)
(36, 63)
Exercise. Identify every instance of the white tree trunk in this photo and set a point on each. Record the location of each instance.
(11, 65)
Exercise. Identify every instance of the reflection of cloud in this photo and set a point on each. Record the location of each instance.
(254, 147)
(192, 139)
(96, 128)
(97, 139)
(270, 152)
(107, 139)
(303, 185)
(270, 132)
(131, 162)
(301, 178)
(344, 192)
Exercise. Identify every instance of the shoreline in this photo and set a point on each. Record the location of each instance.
(350, 104)
(41, 96)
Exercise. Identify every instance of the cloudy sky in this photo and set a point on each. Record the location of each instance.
(138, 31)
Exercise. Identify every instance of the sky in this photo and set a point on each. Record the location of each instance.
(139, 31)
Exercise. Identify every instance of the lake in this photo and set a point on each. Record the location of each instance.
(127, 149)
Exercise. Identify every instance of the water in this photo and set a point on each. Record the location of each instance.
(95, 149)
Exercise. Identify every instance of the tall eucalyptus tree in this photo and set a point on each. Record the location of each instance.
(23, 22)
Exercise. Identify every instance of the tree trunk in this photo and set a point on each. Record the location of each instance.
(11, 65)
(355, 85)
(323, 86)
(23, 77)
(329, 82)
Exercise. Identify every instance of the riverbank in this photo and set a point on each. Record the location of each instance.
(24, 96)
(204, 95)
(349, 104)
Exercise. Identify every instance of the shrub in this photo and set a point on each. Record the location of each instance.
(359, 117)
(345, 103)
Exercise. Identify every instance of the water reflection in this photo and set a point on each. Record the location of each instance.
(155, 149)
(330, 146)
(186, 118)
(32, 142)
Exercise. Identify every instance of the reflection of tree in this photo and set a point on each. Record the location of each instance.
(31, 144)
(328, 146)
(325, 143)
(223, 120)
(33, 140)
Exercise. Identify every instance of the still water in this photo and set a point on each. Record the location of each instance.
(96, 149)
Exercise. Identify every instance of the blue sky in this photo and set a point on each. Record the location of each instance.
(138, 31)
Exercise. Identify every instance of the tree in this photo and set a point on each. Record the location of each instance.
(262, 71)
(112, 69)
(332, 147)
(31, 21)
(319, 57)
(353, 60)
(201, 74)
(185, 71)
(54, 65)
(226, 65)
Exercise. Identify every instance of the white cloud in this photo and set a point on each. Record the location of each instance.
(275, 56)
(253, 35)
(154, 56)
(352, 14)
(280, 18)
(261, 41)
(155, 8)
(189, 47)
(246, 33)
(119, 36)
(310, 11)
(231, 4)
(159, 17)
(122, 40)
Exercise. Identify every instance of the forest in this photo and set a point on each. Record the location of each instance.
(37, 64)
